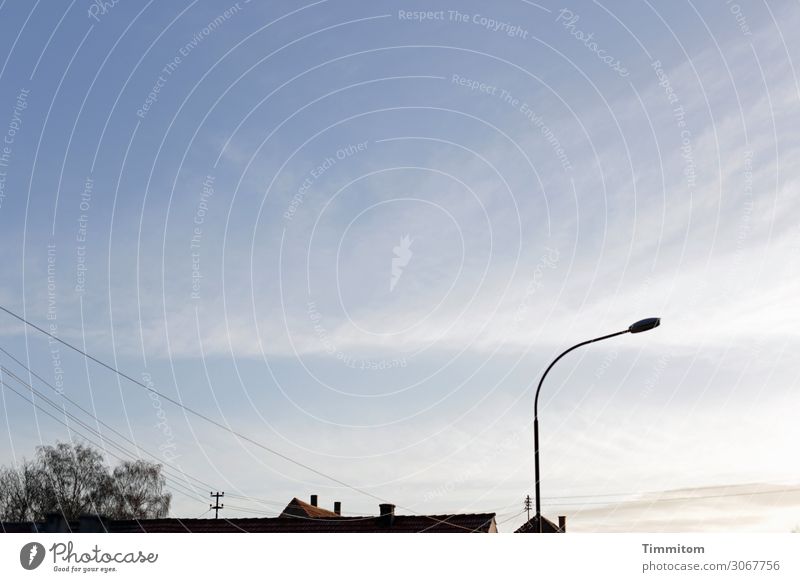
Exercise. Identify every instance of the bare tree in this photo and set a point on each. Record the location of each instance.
(74, 475)
(22, 495)
(135, 490)
(72, 479)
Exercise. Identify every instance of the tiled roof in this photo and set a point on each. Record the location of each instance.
(460, 523)
(297, 508)
(297, 517)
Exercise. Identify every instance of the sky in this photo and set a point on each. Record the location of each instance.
(356, 234)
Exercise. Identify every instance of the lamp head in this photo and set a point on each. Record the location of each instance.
(645, 325)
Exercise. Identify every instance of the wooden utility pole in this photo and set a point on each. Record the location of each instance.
(216, 507)
(528, 506)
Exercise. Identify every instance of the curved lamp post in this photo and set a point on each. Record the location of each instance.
(638, 327)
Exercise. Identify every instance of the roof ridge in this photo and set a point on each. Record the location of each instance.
(299, 508)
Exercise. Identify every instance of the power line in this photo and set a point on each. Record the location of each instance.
(181, 472)
(211, 420)
(259, 499)
(92, 416)
(516, 515)
(268, 502)
(250, 510)
(176, 484)
(188, 409)
(629, 494)
(194, 494)
(698, 497)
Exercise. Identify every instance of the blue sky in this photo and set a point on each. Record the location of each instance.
(358, 236)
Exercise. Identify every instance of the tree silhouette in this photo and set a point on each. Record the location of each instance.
(135, 490)
(72, 480)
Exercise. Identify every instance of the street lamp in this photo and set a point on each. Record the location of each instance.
(638, 327)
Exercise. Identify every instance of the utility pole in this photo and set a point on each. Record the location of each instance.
(528, 506)
(216, 507)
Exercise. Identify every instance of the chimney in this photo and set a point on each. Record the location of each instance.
(386, 518)
(337, 507)
(314, 500)
(562, 523)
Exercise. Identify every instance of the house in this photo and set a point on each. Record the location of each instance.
(297, 517)
(532, 525)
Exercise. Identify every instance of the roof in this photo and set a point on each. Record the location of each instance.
(297, 517)
(532, 526)
(297, 508)
(17, 527)
(459, 523)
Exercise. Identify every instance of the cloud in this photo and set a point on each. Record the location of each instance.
(732, 508)
(703, 247)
